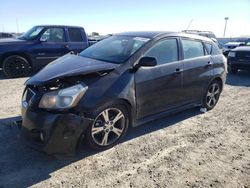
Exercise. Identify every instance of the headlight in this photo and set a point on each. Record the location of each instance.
(64, 98)
(232, 54)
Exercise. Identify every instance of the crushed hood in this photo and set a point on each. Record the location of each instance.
(69, 65)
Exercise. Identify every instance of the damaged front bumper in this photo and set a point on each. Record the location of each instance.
(53, 133)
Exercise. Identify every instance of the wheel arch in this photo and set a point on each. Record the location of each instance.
(22, 54)
(129, 108)
(127, 104)
(219, 79)
(121, 101)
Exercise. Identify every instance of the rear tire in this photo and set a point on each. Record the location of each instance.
(212, 95)
(16, 66)
(110, 125)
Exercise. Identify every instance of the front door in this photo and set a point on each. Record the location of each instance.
(52, 46)
(159, 88)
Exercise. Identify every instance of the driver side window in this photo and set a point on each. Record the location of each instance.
(165, 51)
(53, 35)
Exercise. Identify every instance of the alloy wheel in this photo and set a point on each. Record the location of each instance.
(213, 95)
(108, 126)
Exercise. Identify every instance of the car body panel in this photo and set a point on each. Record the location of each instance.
(158, 81)
(196, 75)
(61, 132)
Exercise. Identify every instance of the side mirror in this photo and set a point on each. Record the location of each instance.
(43, 39)
(147, 62)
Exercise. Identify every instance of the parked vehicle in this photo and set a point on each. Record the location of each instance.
(239, 58)
(38, 47)
(6, 35)
(95, 39)
(125, 80)
(229, 46)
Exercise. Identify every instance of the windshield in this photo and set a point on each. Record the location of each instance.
(115, 49)
(248, 42)
(32, 33)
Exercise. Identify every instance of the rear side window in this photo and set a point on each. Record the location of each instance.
(192, 48)
(165, 51)
(75, 35)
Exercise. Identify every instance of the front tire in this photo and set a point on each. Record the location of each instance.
(110, 125)
(212, 95)
(16, 66)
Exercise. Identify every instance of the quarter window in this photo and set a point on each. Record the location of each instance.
(75, 35)
(209, 48)
(53, 35)
(164, 51)
(192, 48)
(215, 49)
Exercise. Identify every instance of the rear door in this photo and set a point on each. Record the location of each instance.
(77, 39)
(159, 88)
(198, 69)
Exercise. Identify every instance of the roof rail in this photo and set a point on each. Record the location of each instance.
(187, 31)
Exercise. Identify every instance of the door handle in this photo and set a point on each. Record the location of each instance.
(67, 47)
(178, 71)
(209, 64)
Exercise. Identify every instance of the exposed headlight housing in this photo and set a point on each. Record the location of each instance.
(63, 99)
(232, 54)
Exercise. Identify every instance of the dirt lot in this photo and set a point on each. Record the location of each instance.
(185, 150)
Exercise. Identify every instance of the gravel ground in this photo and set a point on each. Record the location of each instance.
(185, 150)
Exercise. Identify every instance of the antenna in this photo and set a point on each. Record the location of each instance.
(191, 21)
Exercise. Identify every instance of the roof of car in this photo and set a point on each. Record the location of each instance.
(153, 34)
(147, 34)
(59, 26)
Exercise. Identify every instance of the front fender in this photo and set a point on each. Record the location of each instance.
(110, 88)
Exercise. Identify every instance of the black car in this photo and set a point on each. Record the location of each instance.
(125, 80)
(239, 58)
(6, 35)
(38, 47)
